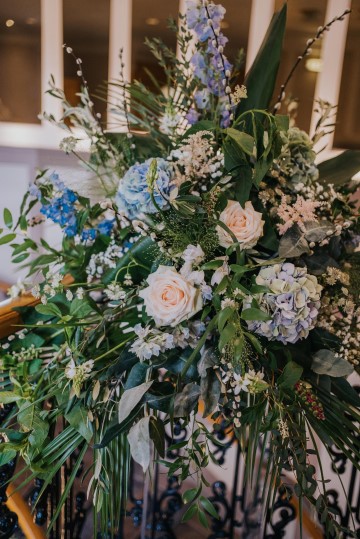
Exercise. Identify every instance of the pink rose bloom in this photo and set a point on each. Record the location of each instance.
(170, 298)
(245, 223)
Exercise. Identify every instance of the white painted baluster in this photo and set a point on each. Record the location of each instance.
(332, 53)
(261, 14)
(120, 37)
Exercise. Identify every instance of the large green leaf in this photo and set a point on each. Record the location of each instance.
(341, 168)
(260, 80)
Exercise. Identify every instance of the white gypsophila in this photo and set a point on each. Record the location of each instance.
(150, 342)
(193, 254)
(80, 293)
(17, 289)
(246, 224)
(115, 292)
(69, 295)
(100, 262)
(293, 302)
(169, 297)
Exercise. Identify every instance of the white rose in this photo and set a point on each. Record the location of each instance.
(245, 223)
(170, 298)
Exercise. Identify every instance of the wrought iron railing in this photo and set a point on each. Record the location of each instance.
(158, 516)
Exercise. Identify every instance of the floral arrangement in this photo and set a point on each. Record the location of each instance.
(206, 259)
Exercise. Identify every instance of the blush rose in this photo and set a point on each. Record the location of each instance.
(170, 298)
(245, 223)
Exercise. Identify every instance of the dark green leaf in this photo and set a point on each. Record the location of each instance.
(290, 375)
(157, 434)
(243, 140)
(210, 386)
(340, 169)
(254, 314)
(137, 375)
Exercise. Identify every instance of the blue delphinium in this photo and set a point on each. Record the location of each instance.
(192, 116)
(209, 64)
(106, 226)
(89, 234)
(134, 197)
(197, 18)
(61, 210)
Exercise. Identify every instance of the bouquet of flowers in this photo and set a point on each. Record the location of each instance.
(208, 270)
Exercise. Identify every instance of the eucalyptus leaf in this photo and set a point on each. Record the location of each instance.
(326, 362)
(210, 386)
(318, 230)
(207, 361)
(293, 243)
(130, 398)
(186, 401)
(139, 442)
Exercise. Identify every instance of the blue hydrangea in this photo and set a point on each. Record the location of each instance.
(61, 210)
(133, 196)
(293, 302)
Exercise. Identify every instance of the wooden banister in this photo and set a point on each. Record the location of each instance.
(10, 320)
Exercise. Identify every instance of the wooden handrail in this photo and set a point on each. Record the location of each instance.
(10, 320)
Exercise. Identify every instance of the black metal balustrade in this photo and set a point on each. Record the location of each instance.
(239, 516)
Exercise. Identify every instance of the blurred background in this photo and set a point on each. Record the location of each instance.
(32, 33)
